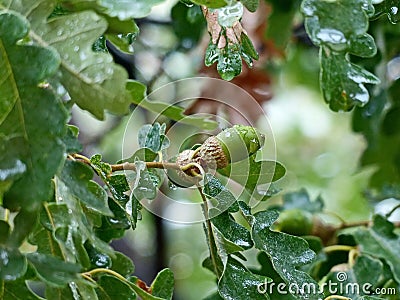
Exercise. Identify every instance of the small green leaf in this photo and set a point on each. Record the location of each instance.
(221, 198)
(301, 200)
(17, 290)
(247, 46)
(24, 223)
(122, 264)
(380, 241)
(153, 137)
(240, 284)
(129, 9)
(286, 252)
(338, 24)
(110, 287)
(77, 178)
(342, 82)
(251, 5)
(211, 3)
(163, 284)
(146, 183)
(172, 112)
(251, 173)
(12, 264)
(232, 231)
(71, 140)
(53, 270)
(229, 63)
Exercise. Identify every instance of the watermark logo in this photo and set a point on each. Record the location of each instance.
(340, 286)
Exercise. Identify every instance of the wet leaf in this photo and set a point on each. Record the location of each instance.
(221, 198)
(163, 284)
(53, 270)
(359, 277)
(12, 264)
(251, 173)
(129, 9)
(34, 149)
(77, 177)
(211, 3)
(240, 284)
(301, 200)
(110, 287)
(232, 232)
(85, 74)
(380, 241)
(342, 82)
(251, 5)
(286, 252)
(340, 27)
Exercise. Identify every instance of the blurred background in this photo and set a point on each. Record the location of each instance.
(318, 147)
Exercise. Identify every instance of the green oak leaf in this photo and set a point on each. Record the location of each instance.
(77, 178)
(163, 284)
(380, 241)
(153, 136)
(129, 8)
(221, 198)
(340, 27)
(232, 231)
(12, 264)
(238, 283)
(32, 120)
(359, 278)
(301, 200)
(251, 5)
(211, 3)
(84, 289)
(110, 287)
(85, 74)
(52, 270)
(18, 289)
(342, 82)
(286, 252)
(250, 173)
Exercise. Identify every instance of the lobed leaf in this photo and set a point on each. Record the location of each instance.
(85, 74)
(382, 242)
(340, 27)
(237, 283)
(32, 121)
(286, 252)
(359, 277)
(342, 82)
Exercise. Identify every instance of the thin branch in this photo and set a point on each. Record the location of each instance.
(149, 165)
(216, 260)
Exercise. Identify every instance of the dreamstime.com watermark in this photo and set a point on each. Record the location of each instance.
(339, 287)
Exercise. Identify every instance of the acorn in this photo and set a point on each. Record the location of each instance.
(230, 145)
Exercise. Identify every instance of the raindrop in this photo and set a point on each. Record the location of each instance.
(172, 186)
(60, 32)
(76, 48)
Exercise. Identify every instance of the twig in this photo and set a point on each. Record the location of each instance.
(216, 260)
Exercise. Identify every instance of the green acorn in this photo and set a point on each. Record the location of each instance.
(231, 145)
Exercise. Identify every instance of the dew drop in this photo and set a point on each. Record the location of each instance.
(76, 48)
